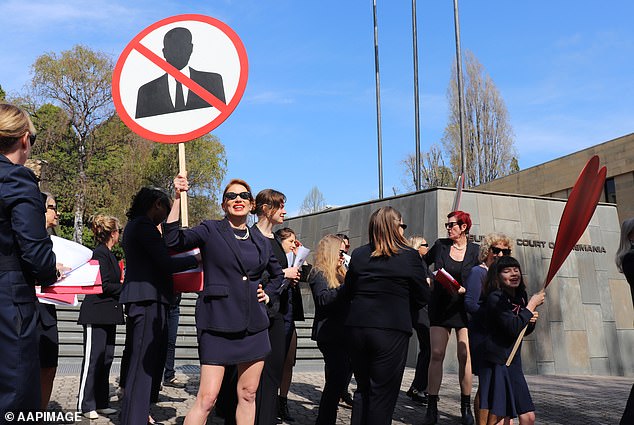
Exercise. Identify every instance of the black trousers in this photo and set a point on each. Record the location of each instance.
(94, 387)
(424, 355)
(378, 360)
(336, 370)
(147, 330)
(20, 366)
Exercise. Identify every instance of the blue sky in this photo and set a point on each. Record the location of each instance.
(308, 115)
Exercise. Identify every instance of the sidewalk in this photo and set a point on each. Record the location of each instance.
(565, 400)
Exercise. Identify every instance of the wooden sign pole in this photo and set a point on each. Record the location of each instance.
(182, 169)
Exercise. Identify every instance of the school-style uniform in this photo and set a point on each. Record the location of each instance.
(147, 292)
(329, 332)
(231, 323)
(503, 390)
(26, 259)
(100, 314)
(383, 292)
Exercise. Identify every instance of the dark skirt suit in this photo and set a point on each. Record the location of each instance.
(26, 260)
(328, 331)
(383, 292)
(230, 321)
(473, 301)
(147, 292)
(99, 314)
(447, 309)
(503, 390)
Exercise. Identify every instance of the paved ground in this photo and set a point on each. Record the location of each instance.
(576, 400)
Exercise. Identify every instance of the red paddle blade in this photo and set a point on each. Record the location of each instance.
(578, 211)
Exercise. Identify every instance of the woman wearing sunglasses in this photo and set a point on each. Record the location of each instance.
(457, 256)
(494, 245)
(385, 281)
(231, 317)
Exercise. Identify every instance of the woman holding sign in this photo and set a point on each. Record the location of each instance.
(231, 317)
(457, 256)
(26, 260)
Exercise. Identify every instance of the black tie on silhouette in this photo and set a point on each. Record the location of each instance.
(180, 99)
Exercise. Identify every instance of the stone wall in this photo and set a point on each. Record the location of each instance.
(586, 325)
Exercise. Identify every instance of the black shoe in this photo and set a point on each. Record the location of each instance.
(417, 396)
(431, 416)
(465, 410)
(282, 410)
(346, 398)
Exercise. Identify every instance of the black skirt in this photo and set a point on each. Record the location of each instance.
(221, 348)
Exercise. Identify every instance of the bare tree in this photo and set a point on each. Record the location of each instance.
(434, 172)
(77, 80)
(489, 139)
(313, 202)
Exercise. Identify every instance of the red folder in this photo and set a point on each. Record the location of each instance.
(446, 280)
(189, 280)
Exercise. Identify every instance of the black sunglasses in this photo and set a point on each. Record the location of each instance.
(450, 224)
(426, 245)
(32, 138)
(342, 252)
(403, 226)
(504, 251)
(52, 207)
(232, 195)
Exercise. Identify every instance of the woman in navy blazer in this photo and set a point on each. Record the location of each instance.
(457, 256)
(384, 283)
(100, 314)
(326, 281)
(147, 293)
(231, 317)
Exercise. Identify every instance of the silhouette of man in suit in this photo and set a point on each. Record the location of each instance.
(165, 94)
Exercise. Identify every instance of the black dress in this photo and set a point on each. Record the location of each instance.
(228, 348)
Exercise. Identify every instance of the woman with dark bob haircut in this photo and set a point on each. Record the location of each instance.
(504, 393)
(385, 280)
(147, 293)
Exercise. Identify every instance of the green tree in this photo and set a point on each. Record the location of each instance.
(489, 140)
(78, 81)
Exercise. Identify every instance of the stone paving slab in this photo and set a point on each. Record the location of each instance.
(565, 400)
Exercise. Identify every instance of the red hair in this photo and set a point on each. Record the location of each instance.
(461, 218)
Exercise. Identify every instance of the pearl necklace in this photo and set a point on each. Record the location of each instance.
(242, 238)
(459, 248)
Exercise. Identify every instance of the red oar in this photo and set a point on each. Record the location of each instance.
(578, 211)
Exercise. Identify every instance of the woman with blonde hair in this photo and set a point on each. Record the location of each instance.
(100, 314)
(326, 280)
(26, 260)
(385, 280)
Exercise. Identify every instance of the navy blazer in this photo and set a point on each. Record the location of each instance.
(228, 301)
(26, 254)
(504, 318)
(104, 308)
(330, 309)
(384, 291)
(149, 267)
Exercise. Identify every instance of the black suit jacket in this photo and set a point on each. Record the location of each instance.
(26, 254)
(154, 98)
(228, 302)
(330, 309)
(383, 291)
(104, 308)
(439, 253)
(149, 267)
